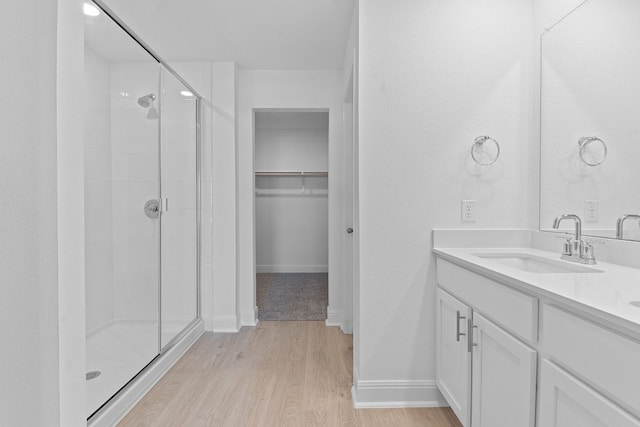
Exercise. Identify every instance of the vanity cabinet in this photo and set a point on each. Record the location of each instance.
(567, 402)
(486, 374)
(493, 341)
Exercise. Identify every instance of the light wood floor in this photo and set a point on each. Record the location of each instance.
(276, 374)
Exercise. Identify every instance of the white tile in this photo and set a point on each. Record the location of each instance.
(131, 278)
(178, 292)
(179, 250)
(133, 195)
(127, 113)
(181, 194)
(98, 293)
(178, 112)
(135, 250)
(179, 167)
(97, 249)
(134, 167)
(97, 165)
(98, 210)
(135, 79)
(135, 139)
(97, 134)
(178, 139)
(179, 223)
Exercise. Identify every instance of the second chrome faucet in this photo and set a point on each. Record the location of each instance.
(576, 249)
(620, 223)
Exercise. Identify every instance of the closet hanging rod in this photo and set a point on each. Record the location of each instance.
(289, 173)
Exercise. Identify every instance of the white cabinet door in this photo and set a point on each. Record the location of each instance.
(567, 402)
(453, 360)
(504, 378)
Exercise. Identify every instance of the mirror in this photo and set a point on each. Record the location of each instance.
(590, 118)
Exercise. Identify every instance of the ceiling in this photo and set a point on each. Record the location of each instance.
(256, 34)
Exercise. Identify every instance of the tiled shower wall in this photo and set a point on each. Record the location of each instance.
(134, 152)
(122, 174)
(98, 187)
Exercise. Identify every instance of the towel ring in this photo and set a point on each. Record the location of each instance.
(478, 143)
(584, 142)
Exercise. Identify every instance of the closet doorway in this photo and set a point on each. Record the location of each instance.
(291, 213)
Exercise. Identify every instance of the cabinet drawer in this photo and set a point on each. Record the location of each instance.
(513, 310)
(605, 359)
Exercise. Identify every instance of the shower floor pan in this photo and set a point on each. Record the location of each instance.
(119, 350)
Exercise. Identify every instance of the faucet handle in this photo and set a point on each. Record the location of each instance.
(567, 248)
(589, 254)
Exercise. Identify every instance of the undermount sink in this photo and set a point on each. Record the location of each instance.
(535, 264)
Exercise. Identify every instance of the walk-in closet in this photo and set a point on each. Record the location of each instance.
(291, 214)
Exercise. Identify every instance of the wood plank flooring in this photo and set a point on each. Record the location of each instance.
(275, 374)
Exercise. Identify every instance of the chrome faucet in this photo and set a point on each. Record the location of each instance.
(620, 223)
(575, 249)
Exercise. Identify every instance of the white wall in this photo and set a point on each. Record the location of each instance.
(590, 88)
(292, 212)
(433, 76)
(40, 302)
(270, 89)
(28, 270)
(223, 249)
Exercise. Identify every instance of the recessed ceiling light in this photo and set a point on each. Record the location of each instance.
(185, 93)
(90, 10)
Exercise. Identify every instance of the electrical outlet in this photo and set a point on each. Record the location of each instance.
(468, 211)
(591, 211)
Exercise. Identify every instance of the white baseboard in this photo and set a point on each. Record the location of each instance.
(208, 323)
(396, 394)
(249, 318)
(225, 323)
(292, 268)
(334, 317)
(118, 407)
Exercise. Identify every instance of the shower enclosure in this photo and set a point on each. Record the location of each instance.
(141, 207)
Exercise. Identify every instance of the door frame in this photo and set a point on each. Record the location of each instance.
(330, 195)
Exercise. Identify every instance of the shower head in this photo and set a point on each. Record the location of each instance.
(145, 101)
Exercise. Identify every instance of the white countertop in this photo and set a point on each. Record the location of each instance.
(605, 294)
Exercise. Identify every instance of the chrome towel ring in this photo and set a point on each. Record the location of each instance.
(584, 143)
(477, 149)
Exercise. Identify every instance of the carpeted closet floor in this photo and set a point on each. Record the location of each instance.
(292, 296)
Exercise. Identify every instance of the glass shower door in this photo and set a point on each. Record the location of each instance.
(122, 238)
(179, 282)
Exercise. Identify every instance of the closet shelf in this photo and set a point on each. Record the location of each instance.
(292, 193)
(291, 173)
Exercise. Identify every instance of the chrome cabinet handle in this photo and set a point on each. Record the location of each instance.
(458, 319)
(470, 343)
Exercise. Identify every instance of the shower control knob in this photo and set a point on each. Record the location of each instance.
(349, 230)
(152, 208)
